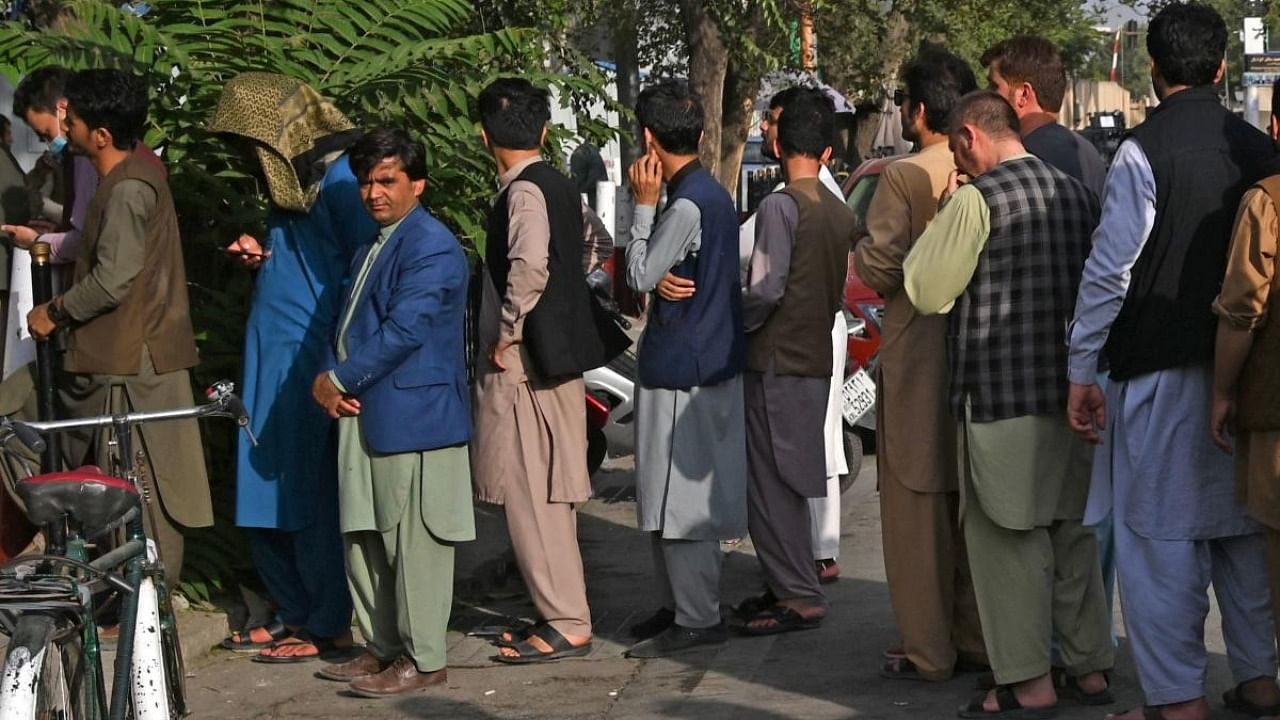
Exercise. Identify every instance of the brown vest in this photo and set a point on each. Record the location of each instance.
(1259, 391)
(154, 312)
(796, 339)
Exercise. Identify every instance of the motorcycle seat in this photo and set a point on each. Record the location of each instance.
(87, 495)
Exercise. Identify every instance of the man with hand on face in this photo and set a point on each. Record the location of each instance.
(794, 288)
(404, 487)
(690, 442)
(1003, 259)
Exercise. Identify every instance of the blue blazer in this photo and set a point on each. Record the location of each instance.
(405, 343)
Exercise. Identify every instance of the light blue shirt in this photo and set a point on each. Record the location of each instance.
(1128, 214)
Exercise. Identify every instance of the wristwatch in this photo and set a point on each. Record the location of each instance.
(58, 314)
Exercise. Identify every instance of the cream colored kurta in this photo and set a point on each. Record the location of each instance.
(914, 426)
(516, 412)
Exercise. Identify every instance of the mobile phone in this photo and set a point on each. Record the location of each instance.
(243, 253)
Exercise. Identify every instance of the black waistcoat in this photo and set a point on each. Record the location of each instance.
(559, 333)
(1203, 158)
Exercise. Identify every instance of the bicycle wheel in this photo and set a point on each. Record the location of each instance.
(43, 679)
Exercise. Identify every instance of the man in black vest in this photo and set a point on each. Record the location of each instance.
(1145, 303)
(1003, 259)
(794, 284)
(536, 337)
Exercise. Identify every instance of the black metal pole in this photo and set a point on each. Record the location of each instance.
(42, 290)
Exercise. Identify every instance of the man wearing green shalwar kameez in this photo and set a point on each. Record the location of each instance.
(398, 387)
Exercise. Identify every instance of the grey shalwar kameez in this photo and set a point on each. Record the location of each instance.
(690, 445)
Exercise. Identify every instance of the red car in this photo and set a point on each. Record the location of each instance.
(863, 307)
(861, 302)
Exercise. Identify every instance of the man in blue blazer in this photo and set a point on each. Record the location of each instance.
(399, 390)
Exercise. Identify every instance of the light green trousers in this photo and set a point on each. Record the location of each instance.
(1036, 575)
(402, 587)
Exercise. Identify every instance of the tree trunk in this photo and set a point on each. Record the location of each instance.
(627, 59)
(739, 102)
(708, 64)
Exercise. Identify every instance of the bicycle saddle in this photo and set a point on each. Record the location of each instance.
(90, 497)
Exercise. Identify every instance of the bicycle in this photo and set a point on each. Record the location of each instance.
(53, 667)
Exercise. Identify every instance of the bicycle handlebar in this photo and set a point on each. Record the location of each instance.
(224, 403)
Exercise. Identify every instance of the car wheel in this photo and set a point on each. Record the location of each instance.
(597, 447)
(852, 457)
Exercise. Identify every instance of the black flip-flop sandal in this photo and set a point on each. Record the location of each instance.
(753, 606)
(276, 630)
(1235, 701)
(1070, 686)
(519, 633)
(560, 646)
(1009, 707)
(784, 620)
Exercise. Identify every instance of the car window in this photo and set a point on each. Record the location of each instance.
(860, 197)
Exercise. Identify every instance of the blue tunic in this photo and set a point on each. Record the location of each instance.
(295, 304)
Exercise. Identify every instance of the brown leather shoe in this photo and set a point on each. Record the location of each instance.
(366, 665)
(401, 676)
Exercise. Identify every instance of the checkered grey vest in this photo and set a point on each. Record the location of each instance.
(1009, 328)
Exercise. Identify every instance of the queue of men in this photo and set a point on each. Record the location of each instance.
(1069, 361)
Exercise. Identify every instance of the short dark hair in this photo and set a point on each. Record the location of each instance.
(782, 98)
(513, 113)
(111, 100)
(381, 143)
(807, 124)
(673, 113)
(1187, 43)
(938, 79)
(40, 90)
(1031, 59)
(988, 111)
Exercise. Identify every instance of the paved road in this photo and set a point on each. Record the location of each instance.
(830, 672)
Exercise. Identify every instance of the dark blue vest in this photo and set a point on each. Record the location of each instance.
(699, 341)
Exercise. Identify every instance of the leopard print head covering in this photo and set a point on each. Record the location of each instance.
(292, 126)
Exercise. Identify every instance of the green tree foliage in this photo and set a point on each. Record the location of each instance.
(414, 63)
(862, 43)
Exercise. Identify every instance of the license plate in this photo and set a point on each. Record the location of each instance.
(859, 396)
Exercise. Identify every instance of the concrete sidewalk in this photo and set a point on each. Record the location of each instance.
(830, 672)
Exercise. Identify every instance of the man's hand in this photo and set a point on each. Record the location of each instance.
(334, 401)
(646, 180)
(674, 288)
(1087, 411)
(39, 324)
(495, 355)
(24, 236)
(248, 251)
(1222, 421)
(955, 179)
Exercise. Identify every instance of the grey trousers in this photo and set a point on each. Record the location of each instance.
(689, 579)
